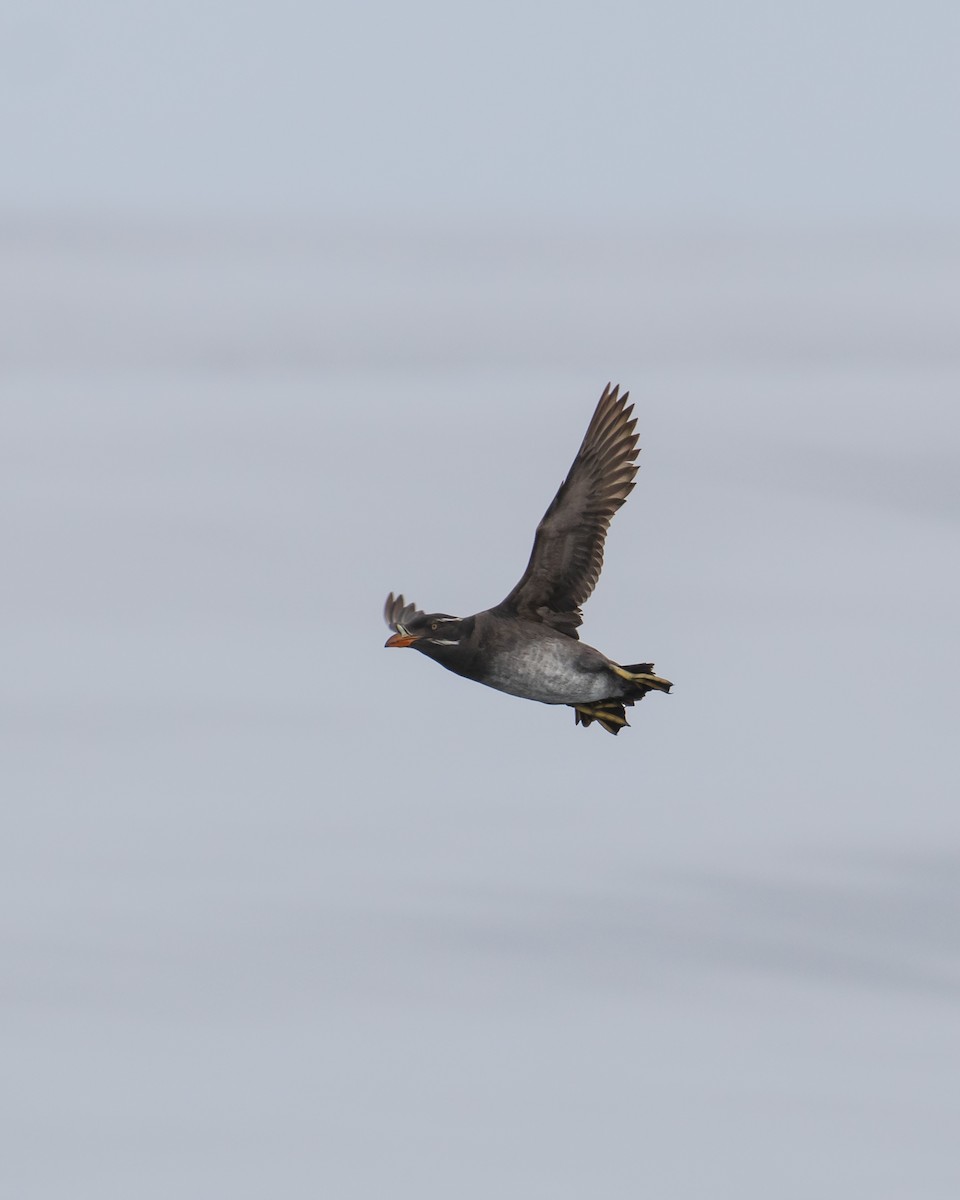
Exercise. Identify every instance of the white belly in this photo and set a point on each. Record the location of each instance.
(543, 671)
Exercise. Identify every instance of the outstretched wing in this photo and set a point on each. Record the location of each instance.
(567, 552)
(397, 613)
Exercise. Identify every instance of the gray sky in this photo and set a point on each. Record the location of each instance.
(751, 111)
(285, 913)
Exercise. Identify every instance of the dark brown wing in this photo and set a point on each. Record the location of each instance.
(567, 552)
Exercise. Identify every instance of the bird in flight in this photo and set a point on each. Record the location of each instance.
(528, 644)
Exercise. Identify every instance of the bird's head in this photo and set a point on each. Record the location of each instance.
(433, 634)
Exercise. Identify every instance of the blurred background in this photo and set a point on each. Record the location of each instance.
(300, 306)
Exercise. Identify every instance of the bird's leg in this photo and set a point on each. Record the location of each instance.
(643, 678)
(609, 713)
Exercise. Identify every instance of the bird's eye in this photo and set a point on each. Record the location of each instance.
(434, 627)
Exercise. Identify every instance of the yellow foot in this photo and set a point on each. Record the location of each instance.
(608, 713)
(645, 679)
